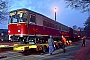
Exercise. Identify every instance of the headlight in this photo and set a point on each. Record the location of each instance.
(18, 30)
(8, 31)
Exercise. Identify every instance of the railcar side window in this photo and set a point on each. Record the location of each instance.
(44, 23)
(32, 19)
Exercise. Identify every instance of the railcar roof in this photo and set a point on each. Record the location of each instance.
(27, 10)
(38, 14)
(32, 12)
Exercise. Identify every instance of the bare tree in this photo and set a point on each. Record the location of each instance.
(3, 11)
(87, 27)
(83, 5)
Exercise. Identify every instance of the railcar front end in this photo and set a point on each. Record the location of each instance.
(18, 25)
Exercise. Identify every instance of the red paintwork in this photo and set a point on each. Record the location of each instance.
(33, 29)
(65, 33)
(41, 30)
(13, 28)
(70, 33)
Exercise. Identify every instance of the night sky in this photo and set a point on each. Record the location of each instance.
(66, 16)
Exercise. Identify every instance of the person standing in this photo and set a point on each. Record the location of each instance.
(63, 43)
(83, 43)
(51, 45)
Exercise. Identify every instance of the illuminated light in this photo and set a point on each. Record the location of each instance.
(2, 34)
(18, 30)
(55, 9)
(78, 36)
(32, 40)
(8, 31)
(21, 35)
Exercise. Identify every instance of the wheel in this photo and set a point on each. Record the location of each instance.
(58, 45)
(44, 49)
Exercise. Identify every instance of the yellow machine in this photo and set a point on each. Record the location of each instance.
(24, 47)
(35, 46)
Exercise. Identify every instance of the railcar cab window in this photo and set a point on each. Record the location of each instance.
(22, 17)
(14, 18)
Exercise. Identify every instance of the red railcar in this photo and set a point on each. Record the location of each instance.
(25, 24)
(30, 27)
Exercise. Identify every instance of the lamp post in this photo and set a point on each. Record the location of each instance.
(55, 10)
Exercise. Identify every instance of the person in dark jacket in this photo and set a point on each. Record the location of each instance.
(84, 38)
(51, 45)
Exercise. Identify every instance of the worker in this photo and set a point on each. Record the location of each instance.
(63, 43)
(51, 45)
(83, 43)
